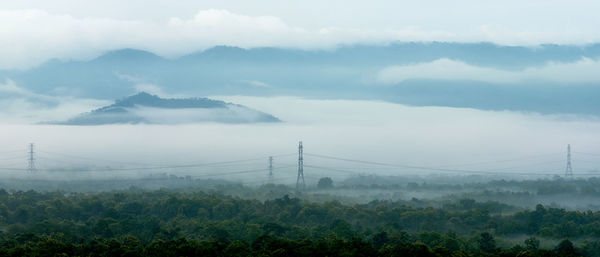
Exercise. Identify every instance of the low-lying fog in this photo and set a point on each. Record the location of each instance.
(458, 140)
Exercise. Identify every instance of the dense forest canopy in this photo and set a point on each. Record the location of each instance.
(167, 222)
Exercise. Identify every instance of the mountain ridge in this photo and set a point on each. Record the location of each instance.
(347, 72)
(440, 49)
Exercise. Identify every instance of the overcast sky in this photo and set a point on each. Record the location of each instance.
(374, 14)
(32, 31)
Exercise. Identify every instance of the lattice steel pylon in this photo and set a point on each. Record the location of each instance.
(31, 159)
(300, 168)
(569, 169)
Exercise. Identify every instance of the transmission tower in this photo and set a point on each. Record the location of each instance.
(31, 159)
(300, 168)
(270, 169)
(569, 170)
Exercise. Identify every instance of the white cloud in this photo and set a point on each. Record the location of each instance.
(129, 78)
(23, 106)
(230, 114)
(141, 85)
(150, 88)
(255, 83)
(582, 71)
(155, 90)
(10, 88)
(30, 37)
(34, 36)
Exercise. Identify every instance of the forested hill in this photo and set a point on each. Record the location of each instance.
(165, 223)
(147, 108)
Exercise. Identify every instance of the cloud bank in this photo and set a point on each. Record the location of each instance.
(425, 136)
(30, 37)
(19, 105)
(582, 71)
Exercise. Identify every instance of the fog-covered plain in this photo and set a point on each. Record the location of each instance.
(437, 137)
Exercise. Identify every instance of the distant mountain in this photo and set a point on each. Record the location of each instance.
(347, 72)
(151, 109)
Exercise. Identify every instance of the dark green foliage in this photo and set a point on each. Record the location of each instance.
(325, 183)
(566, 248)
(487, 243)
(532, 243)
(165, 223)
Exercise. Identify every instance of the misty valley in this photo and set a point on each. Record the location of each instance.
(299, 128)
(237, 183)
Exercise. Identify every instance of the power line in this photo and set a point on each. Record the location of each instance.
(497, 161)
(594, 154)
(15, 151)
(581, 160)
(108, 170)
(496, 169)
(207, 166)
(89, 159)
(527, 165)
(329, 168)
(164, 166)
(488, 172)
(238, 172)
(300, 181)
(13, 158)
(157, 167)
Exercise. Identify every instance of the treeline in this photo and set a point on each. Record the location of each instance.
(580, 186)
(147, 223)
(55, 245)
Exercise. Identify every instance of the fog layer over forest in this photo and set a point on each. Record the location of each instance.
(435, 137)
